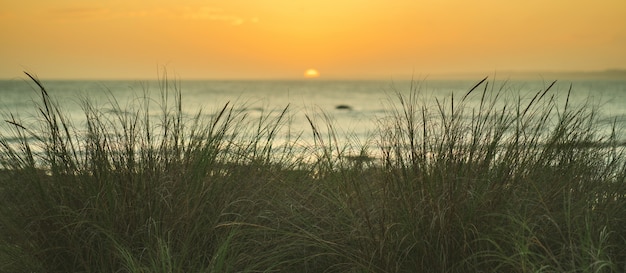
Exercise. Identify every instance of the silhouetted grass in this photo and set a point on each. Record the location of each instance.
(513, 184)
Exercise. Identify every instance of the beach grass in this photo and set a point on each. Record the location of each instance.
(508, 184)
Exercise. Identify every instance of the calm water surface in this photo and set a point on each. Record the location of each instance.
(362, 103)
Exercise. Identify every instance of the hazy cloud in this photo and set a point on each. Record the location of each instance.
(81, 13)
(216, 14)
(186, 13)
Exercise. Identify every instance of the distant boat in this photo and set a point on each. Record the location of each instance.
(343, 107)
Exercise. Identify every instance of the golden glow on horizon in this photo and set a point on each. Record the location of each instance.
(276, 38)
(311, 73)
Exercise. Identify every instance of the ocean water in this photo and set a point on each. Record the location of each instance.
(355, 108)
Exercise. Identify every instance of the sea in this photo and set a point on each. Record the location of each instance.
(354, 109)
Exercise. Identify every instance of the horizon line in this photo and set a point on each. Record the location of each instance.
(607, 74)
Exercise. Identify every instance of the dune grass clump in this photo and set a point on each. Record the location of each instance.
(133, 190)
(483, 183)
(526, 186)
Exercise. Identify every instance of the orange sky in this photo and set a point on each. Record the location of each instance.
(282, 38)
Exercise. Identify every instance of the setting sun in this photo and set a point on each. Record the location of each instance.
(311, 73)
